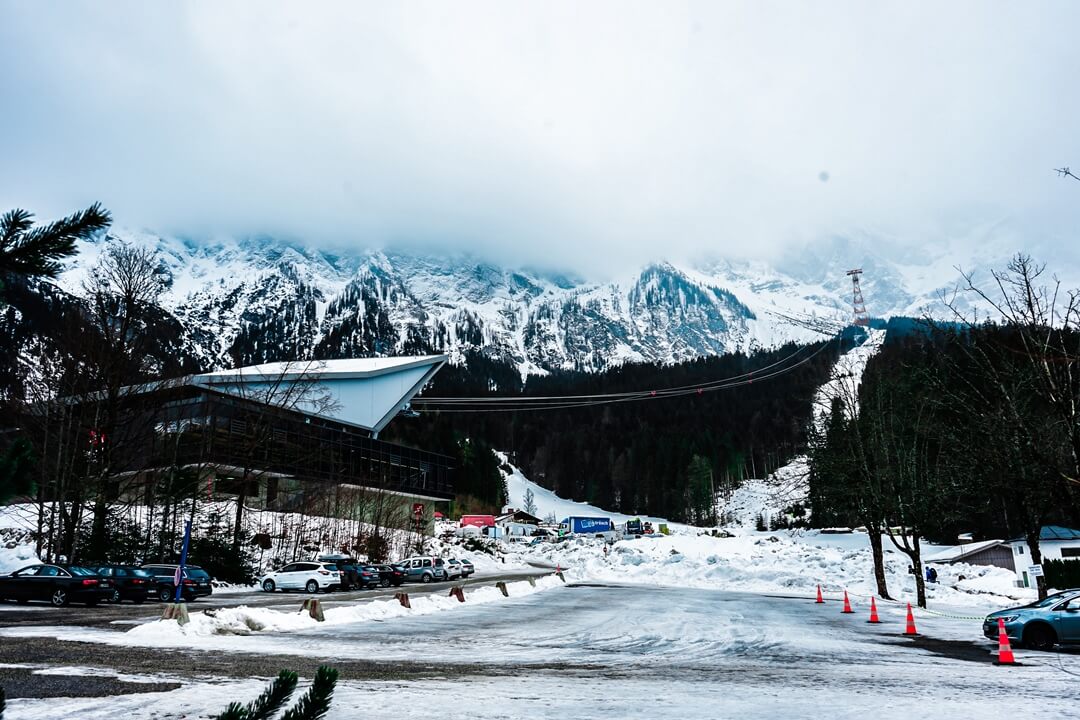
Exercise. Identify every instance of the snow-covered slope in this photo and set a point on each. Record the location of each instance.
(742, 559)
(768, 498)
(261, 299)
(549, 504)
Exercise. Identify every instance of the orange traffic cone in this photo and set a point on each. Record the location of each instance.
(819, 598)
(847, 605)
(873, 612)
(1005, 653)
(910, 629)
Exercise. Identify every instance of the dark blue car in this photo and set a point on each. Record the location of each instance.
(1042, 624)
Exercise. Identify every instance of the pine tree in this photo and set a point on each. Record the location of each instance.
(37, 251)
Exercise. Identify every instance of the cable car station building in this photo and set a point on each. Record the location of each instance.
(297, 436)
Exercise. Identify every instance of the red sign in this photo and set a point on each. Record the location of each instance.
(418, 509)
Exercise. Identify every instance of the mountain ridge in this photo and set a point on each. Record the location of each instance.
(259, 299)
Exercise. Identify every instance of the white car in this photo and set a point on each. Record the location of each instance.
(308, 576)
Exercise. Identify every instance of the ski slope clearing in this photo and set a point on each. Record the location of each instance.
(548, 504)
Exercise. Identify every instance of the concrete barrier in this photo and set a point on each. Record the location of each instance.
(177, 612)
(313, 608)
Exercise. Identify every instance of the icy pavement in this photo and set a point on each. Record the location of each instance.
(588, 651)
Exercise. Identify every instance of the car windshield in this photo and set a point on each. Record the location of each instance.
(139, 572)
(328, 566)
(1052, 599)
(81, 571)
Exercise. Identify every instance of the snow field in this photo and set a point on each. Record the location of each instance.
(772, 563)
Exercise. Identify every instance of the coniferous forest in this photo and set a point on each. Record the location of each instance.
(664, 456)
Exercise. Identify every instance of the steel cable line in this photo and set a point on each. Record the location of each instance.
(555, 403)
(603, 396)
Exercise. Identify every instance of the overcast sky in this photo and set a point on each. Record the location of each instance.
(578, 134)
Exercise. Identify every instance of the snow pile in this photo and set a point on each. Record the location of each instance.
(770, 563)
(246, 620)
(16, 550)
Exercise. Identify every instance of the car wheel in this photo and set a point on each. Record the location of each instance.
(384, 583)
(165, 594)
(312, 587)
(1039, 637)
(115, 598)
(59, 597)
(427, 578)
(268, 586)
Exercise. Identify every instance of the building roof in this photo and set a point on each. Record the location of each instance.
(960, 552)
(364, 392)
(1053, 532)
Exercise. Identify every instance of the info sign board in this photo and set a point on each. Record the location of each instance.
(1035, 570)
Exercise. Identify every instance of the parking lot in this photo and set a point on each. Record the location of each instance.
(615, 649)
(104, 615)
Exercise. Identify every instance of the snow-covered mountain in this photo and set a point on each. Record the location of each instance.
(262, 299)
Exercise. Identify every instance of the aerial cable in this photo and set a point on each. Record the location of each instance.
(555, 403)
(601, 396)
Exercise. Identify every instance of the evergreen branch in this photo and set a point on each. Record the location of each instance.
(37, 251)
(316, 701)
(235, 711)
(273, 698)
(13, 224)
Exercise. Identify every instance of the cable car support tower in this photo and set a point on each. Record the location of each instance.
(859, 315)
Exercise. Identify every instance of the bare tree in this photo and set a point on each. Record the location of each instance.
(1026, 377)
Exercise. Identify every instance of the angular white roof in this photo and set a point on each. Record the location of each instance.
(365, 392)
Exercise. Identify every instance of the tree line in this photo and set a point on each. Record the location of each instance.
(968, 425)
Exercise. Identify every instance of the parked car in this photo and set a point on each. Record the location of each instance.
(128, 583)
(424, 569)
(1042, 624)
(390, 575)
(467, 568)
(310, 577)
(58, 584)
(195, 583)
(349, 567)
(369, 576)
(453, 569)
